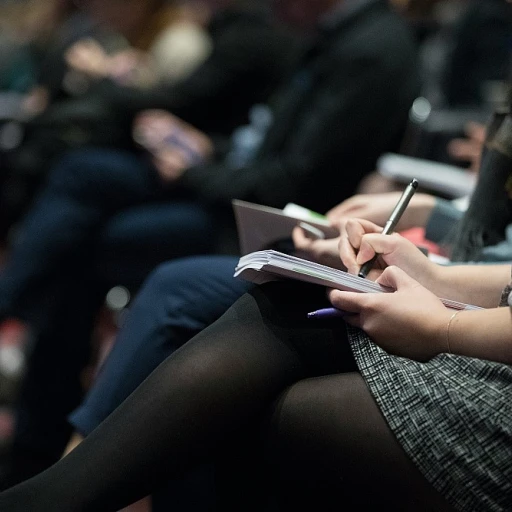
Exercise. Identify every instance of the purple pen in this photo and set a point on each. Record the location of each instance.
(328, 313)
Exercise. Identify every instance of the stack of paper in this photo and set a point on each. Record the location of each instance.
(263, 266)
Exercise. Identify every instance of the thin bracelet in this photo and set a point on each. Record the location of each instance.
(448, 330)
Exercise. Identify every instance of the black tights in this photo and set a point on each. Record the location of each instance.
(324, 431)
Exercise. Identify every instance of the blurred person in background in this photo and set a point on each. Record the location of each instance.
(235, 57)
(466, 64)
(345, 103)
(249, 58)
(479, 57)
(64, 108)
(32, 30)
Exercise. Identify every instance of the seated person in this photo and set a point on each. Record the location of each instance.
(193, 293)
(150, 56)
(250, 56)
(325, 117)
(376, 409)
(478, 55)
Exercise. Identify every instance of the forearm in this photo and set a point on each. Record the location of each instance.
(480, 285)
(263, 182)
(485, 334)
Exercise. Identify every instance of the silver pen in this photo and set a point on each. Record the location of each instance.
(393, 220)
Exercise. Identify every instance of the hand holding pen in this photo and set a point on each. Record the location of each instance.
(393, 220)
(354, 242)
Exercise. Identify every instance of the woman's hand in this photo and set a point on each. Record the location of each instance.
(128, 67)
(409, 322)
(88, 56)
(360, 240)
(318, 250)
(174, 144)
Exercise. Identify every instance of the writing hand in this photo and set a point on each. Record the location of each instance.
(409, 322)
(360, 240)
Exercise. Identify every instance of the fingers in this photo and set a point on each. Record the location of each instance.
(346, 208)
(351, 302)
(356, 229)
(324, 251)
(476, 131)
(300, 239)
(170, 164)
(352, 232)
(87, 55)
(395, 278)
(153, 127)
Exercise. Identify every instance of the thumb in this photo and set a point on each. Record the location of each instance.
(395, 278)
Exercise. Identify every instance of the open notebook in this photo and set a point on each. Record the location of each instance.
(263, 266)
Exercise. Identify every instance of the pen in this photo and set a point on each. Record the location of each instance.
(328, 313)
(395, 216)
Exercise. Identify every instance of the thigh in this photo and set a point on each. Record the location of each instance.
(321, 345)
(135, 240)
(178, 300)
(113, 177)
(332, 448)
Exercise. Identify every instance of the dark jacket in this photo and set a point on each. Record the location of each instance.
(347, 103)
(481, 52)
(251, 56)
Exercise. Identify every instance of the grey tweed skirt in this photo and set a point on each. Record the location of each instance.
(453, 417)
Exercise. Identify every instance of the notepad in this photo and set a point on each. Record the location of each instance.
(261, 226)
(263, 266)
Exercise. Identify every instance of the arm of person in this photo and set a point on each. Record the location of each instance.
(306, 161)
(377, 208)
(480, 285)
(436, 215)
(484, 334)
(412, 322)
(225, 79)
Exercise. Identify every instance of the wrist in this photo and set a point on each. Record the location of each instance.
(431, 276)
(443, 335)
(451, 335)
